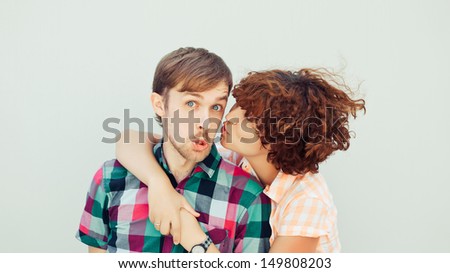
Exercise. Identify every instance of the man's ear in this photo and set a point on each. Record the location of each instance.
(158, 104)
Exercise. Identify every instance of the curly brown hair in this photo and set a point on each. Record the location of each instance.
(302, 116)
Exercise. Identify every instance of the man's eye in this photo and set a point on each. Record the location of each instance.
(190, 103)
(217, 107)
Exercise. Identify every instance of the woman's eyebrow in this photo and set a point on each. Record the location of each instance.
(223, 98)
(233, 107)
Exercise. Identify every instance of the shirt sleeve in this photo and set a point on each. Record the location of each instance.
(306, 217)
(94, 224)
(253, 231)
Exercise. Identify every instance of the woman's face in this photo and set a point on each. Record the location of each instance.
(240, 135)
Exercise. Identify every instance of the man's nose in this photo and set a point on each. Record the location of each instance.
(203, 118)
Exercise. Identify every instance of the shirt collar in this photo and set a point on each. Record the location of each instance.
(208, 165)
(280, 186)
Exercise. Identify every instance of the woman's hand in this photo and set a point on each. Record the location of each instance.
(166, 206)
(164, 202)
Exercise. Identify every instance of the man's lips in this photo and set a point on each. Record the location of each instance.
(200, 144)
(200, 141)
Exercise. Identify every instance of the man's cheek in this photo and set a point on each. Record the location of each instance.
(184, 131)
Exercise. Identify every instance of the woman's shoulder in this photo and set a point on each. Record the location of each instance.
(310, 188)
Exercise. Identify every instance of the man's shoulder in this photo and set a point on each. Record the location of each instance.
(238, 178)
(114, 175)
(112, 169)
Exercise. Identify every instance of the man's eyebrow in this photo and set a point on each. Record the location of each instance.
(195, 94)
(198, 95)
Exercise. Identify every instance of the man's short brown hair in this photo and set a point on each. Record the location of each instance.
(195, 69)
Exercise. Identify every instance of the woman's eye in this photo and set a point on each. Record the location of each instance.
(190, 103)
(217, 107)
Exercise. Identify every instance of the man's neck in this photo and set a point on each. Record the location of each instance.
(177, 164)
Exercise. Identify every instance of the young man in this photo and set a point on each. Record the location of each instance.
(190, 92)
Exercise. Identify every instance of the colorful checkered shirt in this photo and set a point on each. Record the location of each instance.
(301, 206)
(233, 210)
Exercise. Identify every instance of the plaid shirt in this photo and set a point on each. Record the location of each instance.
(233, 210)
(302, 205)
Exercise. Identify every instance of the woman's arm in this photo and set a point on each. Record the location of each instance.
(164, 201)
(134, 152)
(294, 244)
(192, 233)
(92, 249)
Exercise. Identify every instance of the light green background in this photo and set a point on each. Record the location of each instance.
(65, 66)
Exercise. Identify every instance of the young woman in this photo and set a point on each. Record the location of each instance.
(283, 125)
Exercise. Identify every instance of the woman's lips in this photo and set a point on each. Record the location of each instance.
(224, 129)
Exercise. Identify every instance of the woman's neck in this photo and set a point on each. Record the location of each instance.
(265, 170)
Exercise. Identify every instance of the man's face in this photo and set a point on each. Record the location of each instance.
(192, 120)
